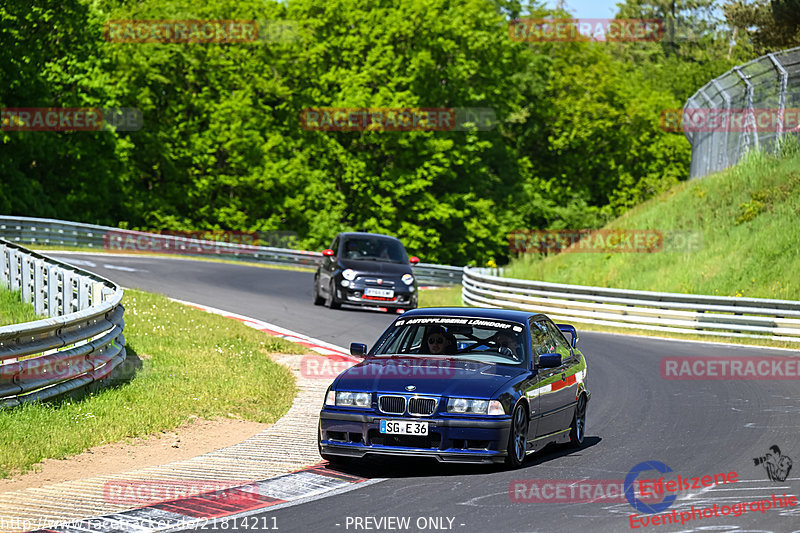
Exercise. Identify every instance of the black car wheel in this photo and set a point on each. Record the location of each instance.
(318, 300)
(517, 437)
(330, 301)
(578, 429)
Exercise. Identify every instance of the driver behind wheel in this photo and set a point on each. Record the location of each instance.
(506, 343)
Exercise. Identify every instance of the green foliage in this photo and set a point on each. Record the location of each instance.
(578, 140)
(767, 25)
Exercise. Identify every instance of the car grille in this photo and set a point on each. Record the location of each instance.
(421, 406)
(373, 282)
(395, 405)
(417, 405)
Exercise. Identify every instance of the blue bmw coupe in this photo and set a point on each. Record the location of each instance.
(459, 384)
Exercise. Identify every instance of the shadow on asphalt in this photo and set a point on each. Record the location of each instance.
(411, 467)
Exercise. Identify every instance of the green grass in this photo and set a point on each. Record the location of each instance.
(190, 364)
(747, 218)
(13, 311)
(441, 297)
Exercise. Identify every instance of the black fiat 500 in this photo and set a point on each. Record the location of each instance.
(367, 269)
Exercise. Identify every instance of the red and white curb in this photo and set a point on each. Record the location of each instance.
(316, 345)
(221, 509)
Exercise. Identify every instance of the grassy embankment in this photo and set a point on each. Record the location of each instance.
(182, 364)
(746, 217)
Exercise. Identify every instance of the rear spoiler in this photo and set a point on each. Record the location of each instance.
(566, 328)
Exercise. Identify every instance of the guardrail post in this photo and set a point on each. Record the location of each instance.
(83, 293)
(14, 270)
(5, 266)
(53, 273)
(38, 287)
(26, 279)
(66, 291)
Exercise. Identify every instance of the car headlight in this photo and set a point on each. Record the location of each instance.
(353, 399)
(349, 274)
(475, 407)
(330, 398)
(408, 279)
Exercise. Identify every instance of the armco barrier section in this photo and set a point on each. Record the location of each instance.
(654, 311)
(80, 343)
(45, 231)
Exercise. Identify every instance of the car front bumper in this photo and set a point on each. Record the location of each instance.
(463, 440)
(404, 296)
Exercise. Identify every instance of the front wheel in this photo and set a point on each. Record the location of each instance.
(330, 301)
(517, 437)
(318, 300)
(577, 431)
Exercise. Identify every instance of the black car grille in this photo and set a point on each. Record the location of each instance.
(421, 406)
(373, 282)
(417, 406)
(395, 405)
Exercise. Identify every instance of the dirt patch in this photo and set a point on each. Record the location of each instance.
(185, 442)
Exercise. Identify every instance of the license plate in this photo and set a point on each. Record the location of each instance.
(382, 293)
(401, 427)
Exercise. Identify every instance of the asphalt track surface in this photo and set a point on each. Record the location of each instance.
(695, 427)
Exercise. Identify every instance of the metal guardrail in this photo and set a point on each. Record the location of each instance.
(80, 343)
(654, 311)
(45, 231)
(763, 88)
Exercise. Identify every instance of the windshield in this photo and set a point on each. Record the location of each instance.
(374, 248)
(468, 338)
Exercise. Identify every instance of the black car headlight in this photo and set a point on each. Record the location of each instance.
(348, 399)
(475, 407)
(408, 279)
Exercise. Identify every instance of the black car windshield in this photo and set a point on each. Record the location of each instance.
(484, 340)
(374, 248)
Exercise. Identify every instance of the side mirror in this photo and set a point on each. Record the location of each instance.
(548, 360)
(566, 328)
(413, 259)
(327, 252)
(358, 349)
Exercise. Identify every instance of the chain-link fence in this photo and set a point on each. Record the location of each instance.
(751, 106)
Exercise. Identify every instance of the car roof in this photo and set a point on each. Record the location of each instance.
(479, 312)
(366, 234)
